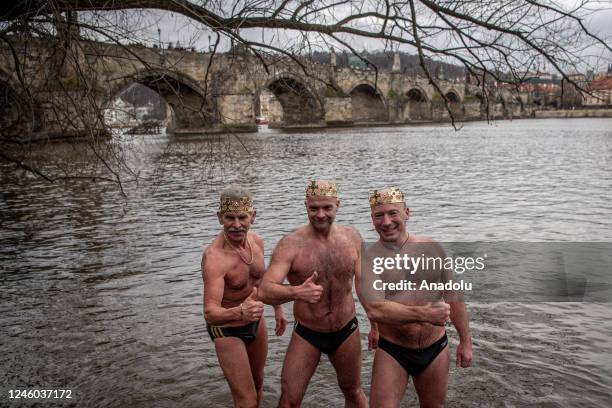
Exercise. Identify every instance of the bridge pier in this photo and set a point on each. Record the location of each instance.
(338, 111)
(62, 114)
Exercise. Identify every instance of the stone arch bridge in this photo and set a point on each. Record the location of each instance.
(222, 92)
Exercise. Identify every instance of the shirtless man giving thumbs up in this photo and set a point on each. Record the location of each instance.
(319, 261)
(232, 268)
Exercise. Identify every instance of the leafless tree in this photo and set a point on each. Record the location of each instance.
(496, 41)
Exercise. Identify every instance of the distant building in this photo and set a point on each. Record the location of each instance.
(603, 75)
(540, 76)
(120, 114)
(590, 75)
(571, 94)
(356, 63)
(544, 87)
(144, 112)
(577, 77)
(600, 92)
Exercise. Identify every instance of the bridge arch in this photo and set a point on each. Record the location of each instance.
(453, 96)
(286, 100)
(454, 103)
(191, 107)
(367, 103)
(418, 106)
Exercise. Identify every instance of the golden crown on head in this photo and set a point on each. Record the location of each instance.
(325, 189)
(392, 195)
(229, 204)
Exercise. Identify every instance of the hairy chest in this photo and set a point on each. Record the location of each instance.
(332, 262)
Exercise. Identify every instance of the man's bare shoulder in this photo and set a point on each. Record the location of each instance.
(351, 233)
(289, 244)
(376, 248)
(215, 246)
(421, 239)
(432, 245)
(214, 258)
(297, 235)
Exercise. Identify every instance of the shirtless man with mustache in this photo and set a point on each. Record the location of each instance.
(232, 269)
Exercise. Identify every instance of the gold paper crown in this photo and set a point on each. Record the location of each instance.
(391, 195)
(236, 205)
(316, 188)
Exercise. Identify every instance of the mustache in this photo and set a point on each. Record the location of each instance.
(236, 229)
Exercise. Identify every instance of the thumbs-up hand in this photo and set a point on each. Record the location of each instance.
(251, 309)
(253, 295)
(309, 291)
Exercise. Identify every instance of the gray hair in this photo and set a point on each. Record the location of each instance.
(235, 192)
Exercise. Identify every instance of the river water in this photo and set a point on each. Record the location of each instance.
(103, 295)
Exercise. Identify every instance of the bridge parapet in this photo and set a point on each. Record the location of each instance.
(229, 91)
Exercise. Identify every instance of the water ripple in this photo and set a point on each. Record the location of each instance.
(104, 296)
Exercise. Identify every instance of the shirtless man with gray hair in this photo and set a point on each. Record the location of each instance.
(232, 269)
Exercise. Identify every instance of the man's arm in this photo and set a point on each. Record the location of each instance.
(394, 313)
(272, 289)
(280, 319)
(459, 317)
(458, 312)
(380, 310)
(213, 274)
(279, 314)
(373, 334)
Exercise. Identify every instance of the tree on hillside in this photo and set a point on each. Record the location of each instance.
(495, 41)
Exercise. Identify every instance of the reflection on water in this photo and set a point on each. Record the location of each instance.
(104, 296)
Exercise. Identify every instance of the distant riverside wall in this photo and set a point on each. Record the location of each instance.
(574, 113)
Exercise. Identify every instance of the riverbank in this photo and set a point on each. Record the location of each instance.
(573, 113)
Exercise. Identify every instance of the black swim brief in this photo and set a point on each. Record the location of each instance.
(246, 333)
(413, 360)
(326, 342)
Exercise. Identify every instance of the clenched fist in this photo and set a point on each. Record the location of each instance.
(437, 313)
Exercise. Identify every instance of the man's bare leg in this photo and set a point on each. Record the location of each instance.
(347, 362)
(233, 357)
(389, 381)
(258, 351)
(300, 364)
(432, 384)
